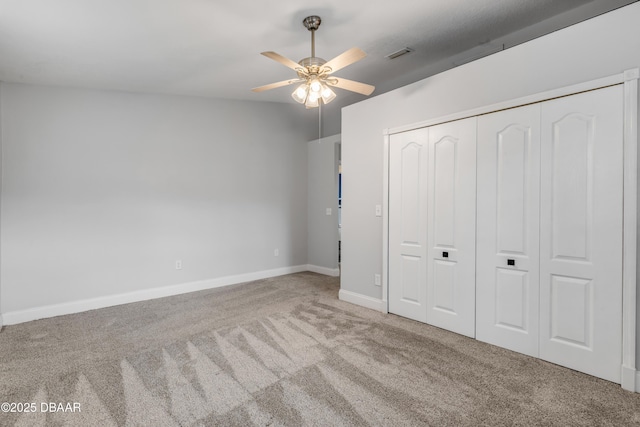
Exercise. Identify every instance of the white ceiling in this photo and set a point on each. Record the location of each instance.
(212, 47)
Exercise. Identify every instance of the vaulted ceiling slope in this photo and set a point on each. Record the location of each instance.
(211, 47)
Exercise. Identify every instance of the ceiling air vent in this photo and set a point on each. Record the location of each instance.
(400, 52)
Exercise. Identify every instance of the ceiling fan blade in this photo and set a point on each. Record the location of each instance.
(276, 84)
(358, 87)
(281, 59)
(346, 58)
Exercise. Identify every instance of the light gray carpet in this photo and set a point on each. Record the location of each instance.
(284, 351)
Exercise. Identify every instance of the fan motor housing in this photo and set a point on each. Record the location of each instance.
(312, 64)
(312, 61)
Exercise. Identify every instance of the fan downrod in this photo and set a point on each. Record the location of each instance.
(312, 23)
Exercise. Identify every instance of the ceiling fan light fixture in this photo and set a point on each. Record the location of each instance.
(300, 94)
(312, 101)
(315, 86)
(313, 96)
(312, 93)
(327, 94)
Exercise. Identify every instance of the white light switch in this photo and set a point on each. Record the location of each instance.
(378, 210)
(328, 211)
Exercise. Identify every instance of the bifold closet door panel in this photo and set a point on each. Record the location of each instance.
(507, 271)
(451, 229)
(581, 232)
(408, 162)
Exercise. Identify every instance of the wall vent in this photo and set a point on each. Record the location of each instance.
(400, 52)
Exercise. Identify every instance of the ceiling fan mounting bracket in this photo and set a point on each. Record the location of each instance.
(312, 22)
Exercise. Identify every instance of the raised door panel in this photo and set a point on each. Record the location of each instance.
(508, 226)
(408, 153)
(451, 230)
(581, 232)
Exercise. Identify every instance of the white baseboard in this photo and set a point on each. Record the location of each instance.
(335, 272)
(361, 300)
(629, 378)
(637, 381)
(20, 316)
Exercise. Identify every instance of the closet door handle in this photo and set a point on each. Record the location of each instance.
(511, 262)
(445, 254)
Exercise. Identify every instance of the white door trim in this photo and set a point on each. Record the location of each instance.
(630, 210)
(385, 224)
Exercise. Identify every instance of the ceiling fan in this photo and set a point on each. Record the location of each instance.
(315, 74)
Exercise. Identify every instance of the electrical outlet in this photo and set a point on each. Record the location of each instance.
(178, 264)
(377, 280)
(328, 211)
(378, 210)
(276, 252)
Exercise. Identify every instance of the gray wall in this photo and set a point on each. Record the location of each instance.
(103, 191)
(599, 47)
(323, 193)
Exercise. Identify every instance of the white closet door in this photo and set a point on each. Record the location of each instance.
(451, 231)
(508, 226)
(408, 155)
(581, 232)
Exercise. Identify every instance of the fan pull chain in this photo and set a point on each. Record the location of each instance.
(319, 121)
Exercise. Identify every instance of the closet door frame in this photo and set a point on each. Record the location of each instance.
(629, 80)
